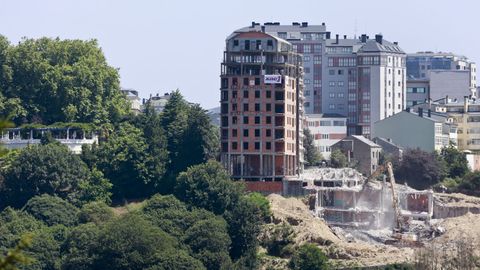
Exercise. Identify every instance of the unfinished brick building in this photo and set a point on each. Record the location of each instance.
(261, 109)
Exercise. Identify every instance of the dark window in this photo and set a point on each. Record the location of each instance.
(268, 120)
(234, 94)
(234, 145)
(224, 133)
(257, 107)
(269, 107)
(247, 45)
(268, 145)
(224, 95)
(279, 95)
(245, 81)
(224, 108)
(257, 132)
(245, 94)
(224, 121)
(245, 145)
(234, 120)
(269, 42)
(257, 120)
(340, 72)
(257, 94)
(245, 133)
(257, 145)
(234, 81)
(235, 42)
(224, 82)
(269, 94)
(234, 107)
(279, 108)
(234, 132)
(245, 107)
(245, 119)
(258, 45)
(224, 147)
(257, 81)
(269, 133)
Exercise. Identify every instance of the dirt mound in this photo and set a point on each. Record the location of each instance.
(307, 227)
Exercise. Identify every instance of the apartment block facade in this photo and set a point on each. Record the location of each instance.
(362, 79)
(436, 75)
(261, 111)
(326, 129)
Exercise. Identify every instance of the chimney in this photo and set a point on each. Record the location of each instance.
(446, 99)
(263, 29)
(429, 113)
(344, 36)
(304, 24)
(336, 39)
(395, 42)
(253, 25)
(328, 35)
(364, 38)
(379, 38)
(420, 112)
(465, 104)
(323, 24)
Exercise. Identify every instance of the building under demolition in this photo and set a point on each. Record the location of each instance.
(345, 197)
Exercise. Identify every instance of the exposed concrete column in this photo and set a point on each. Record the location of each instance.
(430, 203)
(261, 164)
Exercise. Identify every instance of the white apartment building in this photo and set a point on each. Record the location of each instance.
(326, 130)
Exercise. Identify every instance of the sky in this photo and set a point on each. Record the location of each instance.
(159, 46)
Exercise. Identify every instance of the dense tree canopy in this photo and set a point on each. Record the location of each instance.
(338, 159)
(49, 169)
(309, 257)
(420, 169)
(52, 210)
(455, 161)
(51, 80)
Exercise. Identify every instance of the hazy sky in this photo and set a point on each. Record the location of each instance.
(164, 45)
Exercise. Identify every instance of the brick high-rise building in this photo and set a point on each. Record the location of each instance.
(261, 107)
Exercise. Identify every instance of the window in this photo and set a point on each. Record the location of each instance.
(331, 106)
(306, 59)
(235, 42)
(307, 104)
(340, 72)
(234, 132)
(245, 146)
(317, 59)
(325, 123)
(331, 72)
(247, 45)
(245, 81)
(257, 132)
(234, 107)
(268, 145)
(245, 119)
(269, 133)
(331, 95)
(340, 95)
(270, 42)
(234, 145)
(340, 83)
(325, 136)
(268, 94)
(245, 107)
(331, 83)
(307, 70)
(269, 107)
(317, 48)
(257, 120)
(245, 133)
(257, 145)
(268, 119)
(307, 48)
(257, 81)
(234, 94)
(257, 107)
(245, 94)
(307, 93)
(257, 94)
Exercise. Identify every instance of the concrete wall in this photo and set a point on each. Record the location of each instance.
(407, 130)
(455, 84)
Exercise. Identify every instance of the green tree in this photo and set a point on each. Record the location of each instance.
(420, 169)
(155, 137)
(17, 255)
(209, 241)
(312, 156)
(79, 247)
(50, 169)
(14, 224)
(96, 212)
(123, 159)
(262, 203)
(174, 119)
(456, 161)
(131, 242)
(52, 210)
(46, 248)
(208, 186)
(470, 184)
(51, 80)
(309, 257)
(338, 159)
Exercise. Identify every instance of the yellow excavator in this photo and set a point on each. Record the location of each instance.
(387, 168)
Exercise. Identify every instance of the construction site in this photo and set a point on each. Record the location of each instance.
(373, 222)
